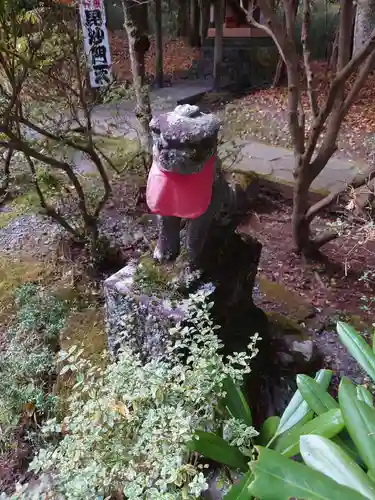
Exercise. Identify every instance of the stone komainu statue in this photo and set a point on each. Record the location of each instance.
(185, 180)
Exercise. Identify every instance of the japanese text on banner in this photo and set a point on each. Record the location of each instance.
(93, 20)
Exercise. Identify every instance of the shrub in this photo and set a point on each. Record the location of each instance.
(335, 440)
(27, 359)
(128, 426)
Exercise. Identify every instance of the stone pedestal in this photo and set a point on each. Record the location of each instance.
(149, 314)
(150, 297)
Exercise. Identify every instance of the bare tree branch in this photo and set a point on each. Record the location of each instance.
(358, 84)
(335, 196)
(306, 23)
(272, 27)
(324, 238)
(337, 84)
(49, 210)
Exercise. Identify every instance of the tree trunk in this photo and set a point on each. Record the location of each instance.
(218, 52)
(280, 73)
(334, 52)
(364, 23)
(5, 174)
(159, 44)
(204, 19)
(300, 226)
(135, 23)
(194, 21)
(183, 18)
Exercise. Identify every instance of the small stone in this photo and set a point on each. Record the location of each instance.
(305, 347)
(285, 358)
(138, 235)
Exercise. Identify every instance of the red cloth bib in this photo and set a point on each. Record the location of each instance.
(185, 196)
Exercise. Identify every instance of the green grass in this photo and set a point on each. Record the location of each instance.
(21, 205)
(125, 154)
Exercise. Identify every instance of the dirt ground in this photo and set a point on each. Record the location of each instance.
(315, 294)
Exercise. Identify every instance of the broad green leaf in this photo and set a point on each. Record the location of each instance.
(240, 491)
(364, 395)
(315, 396)
(297, 409)
(268, 430)
(326, 457)
(320, 401)
(279, 478)
(345, 442)
(236, 403)
(358, 348)
(373, 342)
(216, 448)
(359, 421)
(328, 425)
(371, 475)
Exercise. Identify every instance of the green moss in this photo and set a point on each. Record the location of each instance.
(14, 273)
(86, 329)
(27, 202)
(125, 154)
(244, 179)
(284, 324)
(85, 322)
(162, 280)
(153, 278)
(294, 305)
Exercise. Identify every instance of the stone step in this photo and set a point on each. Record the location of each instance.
(273, 167)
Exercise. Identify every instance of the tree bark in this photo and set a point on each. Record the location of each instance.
(135, 23)
(364, 23)
(300, 226)
(159, 44)
(5, 174)
(218, 52)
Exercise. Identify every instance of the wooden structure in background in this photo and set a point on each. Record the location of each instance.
(235, 24)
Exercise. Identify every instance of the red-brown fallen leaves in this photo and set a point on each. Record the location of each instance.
(333, 283)
(177, 54)
(361, 117)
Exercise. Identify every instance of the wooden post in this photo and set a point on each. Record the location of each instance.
(218, 52)
(159, 44)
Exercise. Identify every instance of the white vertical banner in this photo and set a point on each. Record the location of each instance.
(95, 34)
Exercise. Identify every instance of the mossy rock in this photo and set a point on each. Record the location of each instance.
(154, 278)
(285, 325)
(244, 179)
(293, 305)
